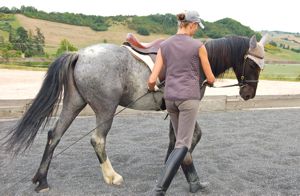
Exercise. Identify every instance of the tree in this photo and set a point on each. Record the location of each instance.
(65, 46)
(26, 42)
(273, 43)
(21, 40)
(39, 42)
(4, 10)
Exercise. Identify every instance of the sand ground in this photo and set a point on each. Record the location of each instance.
(240, 153)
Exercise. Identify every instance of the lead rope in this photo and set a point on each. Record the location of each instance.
(62, 151)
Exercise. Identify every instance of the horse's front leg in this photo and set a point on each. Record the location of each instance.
(98, 141)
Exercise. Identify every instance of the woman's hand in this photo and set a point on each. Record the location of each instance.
(151, 83)
(206, 65)
(155, 72)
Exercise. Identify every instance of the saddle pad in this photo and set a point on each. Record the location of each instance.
(145, 58)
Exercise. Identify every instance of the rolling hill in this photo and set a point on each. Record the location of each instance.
(119, 26)
(80, 36)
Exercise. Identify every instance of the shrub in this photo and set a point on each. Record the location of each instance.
(143, 31)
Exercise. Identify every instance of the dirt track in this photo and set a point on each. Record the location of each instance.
(241, 153)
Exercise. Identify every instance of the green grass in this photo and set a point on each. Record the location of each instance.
(286, 55)
(11, 19)
(288, 72)
(4, 34)
(15, 23)
(31, 67)
(283, 72)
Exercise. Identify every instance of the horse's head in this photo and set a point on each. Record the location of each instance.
(253, 63)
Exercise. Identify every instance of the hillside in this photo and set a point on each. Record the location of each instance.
(157, 26)
(144, 25)
(83, 36)
(78, 35)
(287, 46)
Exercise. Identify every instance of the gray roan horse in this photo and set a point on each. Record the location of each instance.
(106, 76)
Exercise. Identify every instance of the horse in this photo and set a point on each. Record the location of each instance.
(105, 76)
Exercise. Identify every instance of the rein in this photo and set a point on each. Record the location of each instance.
(83, 136)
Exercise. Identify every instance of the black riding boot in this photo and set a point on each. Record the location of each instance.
(192, 178)
(170, 169)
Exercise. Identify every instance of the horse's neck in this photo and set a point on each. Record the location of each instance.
(221, 67)
(226, 53)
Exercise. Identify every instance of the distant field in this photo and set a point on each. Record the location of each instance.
(23, 67)
(79, 36)
(84, 36)
(285, 72)
(281, 72)
(283, 54)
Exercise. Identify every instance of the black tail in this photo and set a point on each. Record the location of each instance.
(44, 104)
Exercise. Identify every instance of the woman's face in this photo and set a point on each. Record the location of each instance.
(193, 28)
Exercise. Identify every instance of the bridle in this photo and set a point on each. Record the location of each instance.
(243, 82)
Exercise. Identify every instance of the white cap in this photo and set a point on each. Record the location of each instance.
(193, 16)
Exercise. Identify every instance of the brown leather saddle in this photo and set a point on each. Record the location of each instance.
(143, 48)
(147, 49)
(150, 49)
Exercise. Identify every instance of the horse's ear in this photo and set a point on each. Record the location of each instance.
(264, 39)
(253, 42)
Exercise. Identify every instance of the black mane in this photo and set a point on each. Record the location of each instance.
(227, 52)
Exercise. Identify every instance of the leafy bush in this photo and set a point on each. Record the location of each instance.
(273, 43)
(271, 48)
(295, 50)
(99, 27)
(143, 31)
(65, 46)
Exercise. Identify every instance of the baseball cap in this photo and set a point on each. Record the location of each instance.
(193, 16)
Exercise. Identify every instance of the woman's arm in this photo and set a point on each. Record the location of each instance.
(156, 70)
(206, 65)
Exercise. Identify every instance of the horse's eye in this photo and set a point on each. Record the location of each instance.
(253, 66)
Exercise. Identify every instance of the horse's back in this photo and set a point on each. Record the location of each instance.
(109, 74)
(99, 71)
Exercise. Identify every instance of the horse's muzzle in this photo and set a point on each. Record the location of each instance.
(247, 92)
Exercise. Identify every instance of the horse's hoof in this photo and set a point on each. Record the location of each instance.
(42, 189)
(43, 184)
(115, 179)
(109, 174)
(118, 180)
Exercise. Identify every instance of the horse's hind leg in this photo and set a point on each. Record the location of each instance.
(187, 165)
(172, 139)
(104, 121)
(72, 105)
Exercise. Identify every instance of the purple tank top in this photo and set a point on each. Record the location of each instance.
(182, 66)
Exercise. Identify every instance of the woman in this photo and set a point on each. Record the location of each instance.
(184, 59)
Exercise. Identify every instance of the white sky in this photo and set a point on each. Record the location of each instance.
(257, 14)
